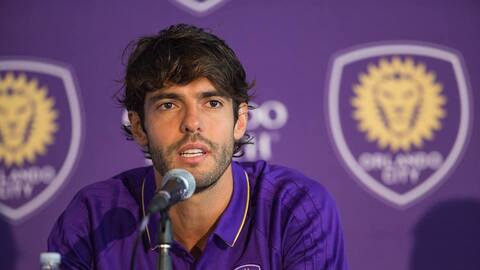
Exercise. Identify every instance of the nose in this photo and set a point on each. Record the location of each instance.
(12, 125)
(191, 122)
(398, 109)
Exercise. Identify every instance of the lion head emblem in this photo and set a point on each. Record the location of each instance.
(28, 119)
(398, 104)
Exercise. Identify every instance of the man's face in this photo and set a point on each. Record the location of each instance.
(192, 127)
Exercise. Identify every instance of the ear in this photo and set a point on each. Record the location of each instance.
(242, 121)
(137, 131)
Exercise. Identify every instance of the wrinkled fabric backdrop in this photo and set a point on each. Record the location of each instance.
(374, 99)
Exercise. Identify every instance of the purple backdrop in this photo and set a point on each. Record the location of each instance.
(306, 58)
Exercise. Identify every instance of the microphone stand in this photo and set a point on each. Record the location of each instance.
(165, 240)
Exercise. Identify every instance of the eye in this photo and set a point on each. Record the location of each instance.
(214, 103)
(165, 106)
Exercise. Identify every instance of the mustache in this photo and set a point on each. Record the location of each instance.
(193, 139)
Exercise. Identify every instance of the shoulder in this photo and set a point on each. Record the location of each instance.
(286, 186)
(298, 215)
(124, 184)
(289, 198)
(90, 221)
(93, 201)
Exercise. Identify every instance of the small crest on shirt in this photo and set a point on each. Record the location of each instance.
(39, 133)
(249, 267)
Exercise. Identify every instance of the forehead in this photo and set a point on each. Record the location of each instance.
(201, 87)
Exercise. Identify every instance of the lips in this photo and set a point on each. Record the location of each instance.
(192, 153)
(193, 150)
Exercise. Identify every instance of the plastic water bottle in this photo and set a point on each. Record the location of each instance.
(50, 261)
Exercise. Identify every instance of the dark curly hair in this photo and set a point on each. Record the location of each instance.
(180, 54)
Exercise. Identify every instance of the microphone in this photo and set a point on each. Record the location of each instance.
(177, 185)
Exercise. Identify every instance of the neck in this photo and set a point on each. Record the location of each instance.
(193, 220)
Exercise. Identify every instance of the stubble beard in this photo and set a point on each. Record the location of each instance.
(222, 155)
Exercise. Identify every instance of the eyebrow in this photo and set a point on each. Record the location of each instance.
(212, 93)
(160, 96)
(205, 94)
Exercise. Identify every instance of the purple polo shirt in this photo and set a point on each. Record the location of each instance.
(276, 219)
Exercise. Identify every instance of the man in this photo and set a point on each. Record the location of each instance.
(187, 97)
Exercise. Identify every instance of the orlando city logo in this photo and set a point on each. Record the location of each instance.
(199, 7)
(39, 133)
(399, 115)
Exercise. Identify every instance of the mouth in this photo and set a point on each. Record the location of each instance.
(195, 152)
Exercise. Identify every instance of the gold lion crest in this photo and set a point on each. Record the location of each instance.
(398, 104)
(27, 119)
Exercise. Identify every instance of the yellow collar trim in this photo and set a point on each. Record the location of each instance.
(247, 203)
(144, 214)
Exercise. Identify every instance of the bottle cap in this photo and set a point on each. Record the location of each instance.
(50, 258)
